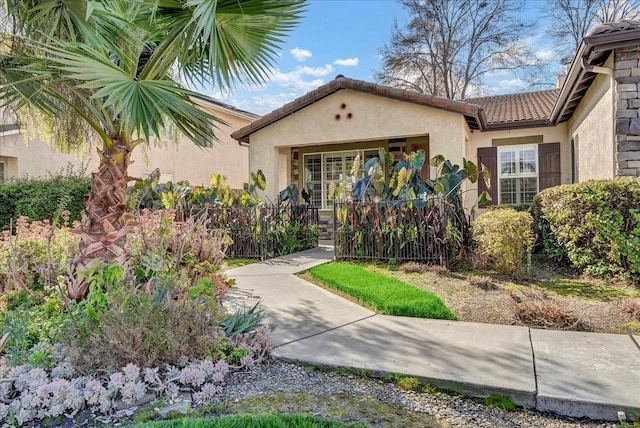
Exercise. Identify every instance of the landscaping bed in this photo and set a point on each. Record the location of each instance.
(548, 298)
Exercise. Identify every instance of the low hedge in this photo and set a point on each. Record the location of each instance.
(594, 224)
(42, 198)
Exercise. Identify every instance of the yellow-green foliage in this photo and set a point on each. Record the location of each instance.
(408, 383)
(505, 240)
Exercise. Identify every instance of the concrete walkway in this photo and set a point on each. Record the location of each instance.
(570, 373)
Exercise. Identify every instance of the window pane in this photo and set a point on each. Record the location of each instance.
(507, 162)
(313, 175)
(528, 189)
(508, 194)
(528, 161)
(518, 190)
(333, 167)
(518, 174)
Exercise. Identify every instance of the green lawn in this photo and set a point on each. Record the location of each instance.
(385, 294)
(249, 421)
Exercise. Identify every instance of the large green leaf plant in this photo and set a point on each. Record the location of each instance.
(369, 181)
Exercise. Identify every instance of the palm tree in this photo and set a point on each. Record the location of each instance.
(119, 70)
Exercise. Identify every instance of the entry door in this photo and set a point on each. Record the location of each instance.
(424, 172)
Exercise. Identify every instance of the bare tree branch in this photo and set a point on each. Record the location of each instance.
(570, 20)
(447, 46)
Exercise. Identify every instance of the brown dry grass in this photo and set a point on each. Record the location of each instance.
(538, 308)
(412, 267)
(629, 306)
(599, 306)
(482, 282)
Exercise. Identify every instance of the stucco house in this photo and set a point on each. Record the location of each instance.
(21, 154)
(587, 128)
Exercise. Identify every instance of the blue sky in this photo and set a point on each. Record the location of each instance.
(344, 37)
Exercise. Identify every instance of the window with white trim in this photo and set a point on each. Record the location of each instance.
(517, 173)
(320, 169)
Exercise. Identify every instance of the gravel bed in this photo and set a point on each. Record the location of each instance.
(307, 390)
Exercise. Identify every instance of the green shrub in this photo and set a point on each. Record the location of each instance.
(504, 240)
(29, 325)
(43, 198)
(595, 223)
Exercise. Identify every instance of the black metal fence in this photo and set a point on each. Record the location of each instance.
(397, 231)
(265, 230)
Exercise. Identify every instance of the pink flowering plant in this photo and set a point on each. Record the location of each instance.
(36, 252)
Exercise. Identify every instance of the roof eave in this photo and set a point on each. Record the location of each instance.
(203, 99)
(519, 124)
(590, 45)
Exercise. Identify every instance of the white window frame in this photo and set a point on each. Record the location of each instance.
(536, 174)
(324, 205)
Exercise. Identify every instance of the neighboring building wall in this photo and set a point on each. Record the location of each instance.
(177, 162)
(364, 118)
(185, 160)
(627, 94)
(37, 158)
(592, 129)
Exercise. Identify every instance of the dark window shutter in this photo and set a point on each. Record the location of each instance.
(488, 156)
(549, 160)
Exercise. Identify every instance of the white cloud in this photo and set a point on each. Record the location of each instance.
(281, 88)
(348, 62)
(498, 72)
(297, 79)
(546, 55)
(300, 54)
(512, 84)
(268, 102)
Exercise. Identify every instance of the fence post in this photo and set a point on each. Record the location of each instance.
(335, 229)
(260, 219)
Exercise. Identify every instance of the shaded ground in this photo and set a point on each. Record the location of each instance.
(355, 397)
(562, 300)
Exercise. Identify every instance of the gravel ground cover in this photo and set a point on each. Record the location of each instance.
(289, 388)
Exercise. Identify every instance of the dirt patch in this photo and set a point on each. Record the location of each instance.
(580, 304)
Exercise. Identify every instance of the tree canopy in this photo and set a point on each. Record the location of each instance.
(448, 46)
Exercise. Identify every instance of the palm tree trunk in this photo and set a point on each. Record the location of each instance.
(105, 219)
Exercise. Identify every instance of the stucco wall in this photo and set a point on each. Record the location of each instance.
(372, 118)
(592, 128)
(37, 158)
(186, 161)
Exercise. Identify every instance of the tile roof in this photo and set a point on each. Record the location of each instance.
(526, 108)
